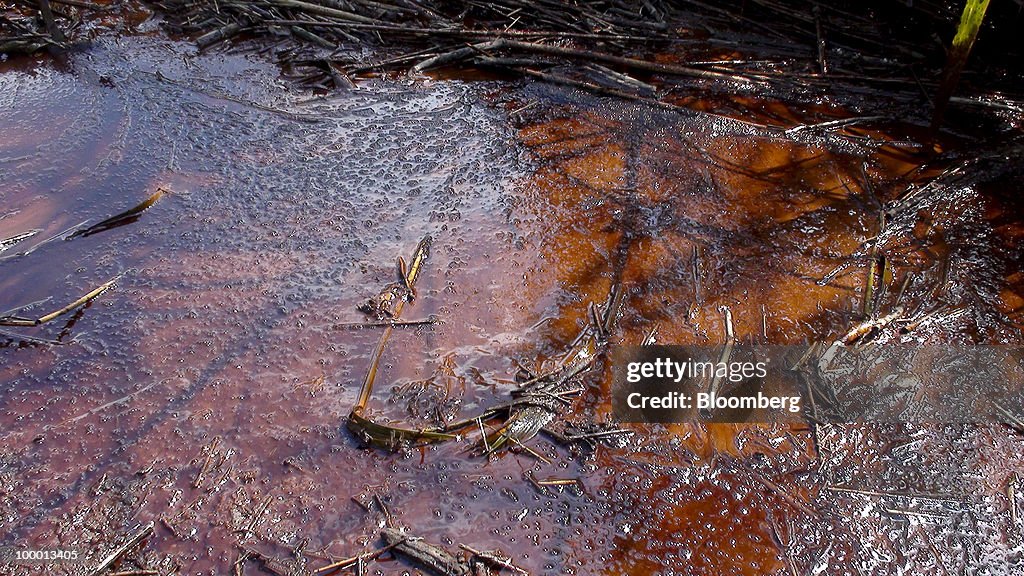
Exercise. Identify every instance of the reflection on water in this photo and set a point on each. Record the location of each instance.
(207, 392)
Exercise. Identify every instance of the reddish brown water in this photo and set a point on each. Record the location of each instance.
(217, 353)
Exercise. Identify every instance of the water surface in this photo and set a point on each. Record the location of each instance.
(207, 393)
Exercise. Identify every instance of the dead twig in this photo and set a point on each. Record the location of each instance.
(457, 55)
(1011, 495)
(349, 562)
(820, 30)
(92, 295)
(268, 562)
(428, 321)
(220, 34)
(730, 343)
(116, 555)
(494, 560)
(210, 451)
(467, 33)
(86, 5)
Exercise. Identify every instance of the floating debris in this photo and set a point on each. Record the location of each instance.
(533, 406)
(86, 299)
(128, 546)
(8, 243)
(126, 217)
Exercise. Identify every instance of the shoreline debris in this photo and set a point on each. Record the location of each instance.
(116, 555)
(533, 405)
(442, 562)
(616, 48)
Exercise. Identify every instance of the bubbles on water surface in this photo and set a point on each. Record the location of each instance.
(284, 215)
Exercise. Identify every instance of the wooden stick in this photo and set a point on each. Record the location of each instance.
(109, 404)
(842, 123)
(311, 37)
(254, 522)
(434, 558)
(430, 320)
(603, 434)
(47, 241)
(80, 302)
(558, 482)
(240, 562)
(214, 36)
(206, 463)
(529, 450)
(1011, 495)
(123, 549)
(730, 343)
(891, 494)
(796, 503)
(272, 565)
